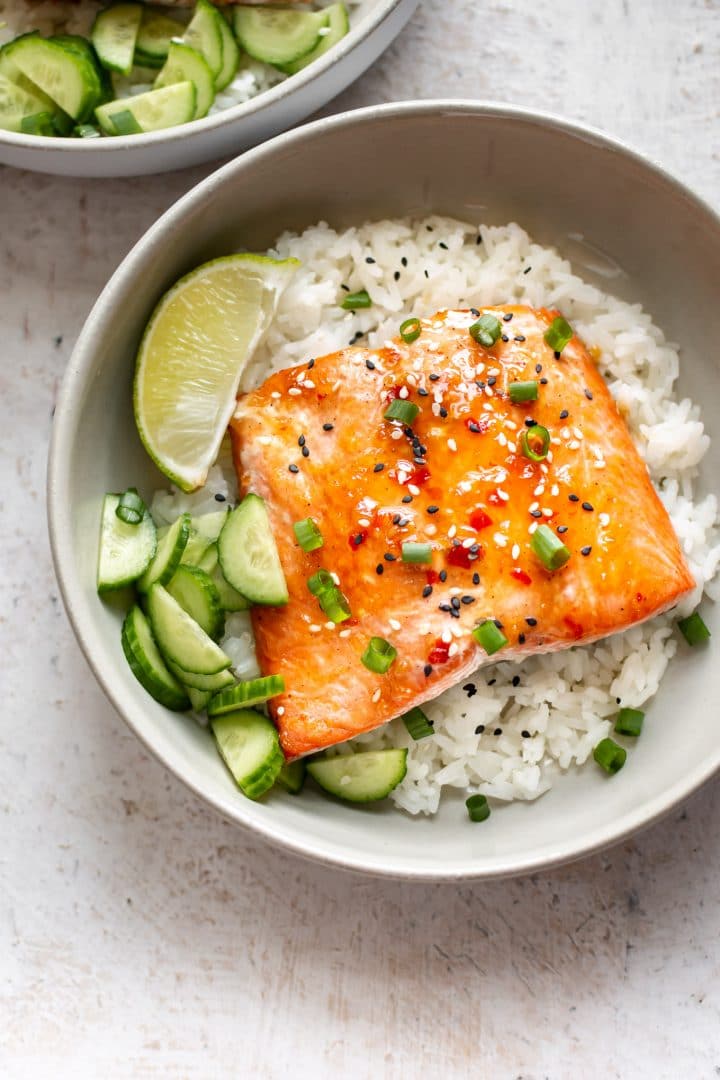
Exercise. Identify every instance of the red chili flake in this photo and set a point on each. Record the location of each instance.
(356, 538)
(575, 628)
(519, 574)
(439, 652)
(480, 520)
(639, 597)
(495, 498)
(419, 475)
(392, 393)
(477, 427)
(462, 556)
(431, 576)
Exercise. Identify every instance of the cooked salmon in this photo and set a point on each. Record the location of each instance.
(313, 441)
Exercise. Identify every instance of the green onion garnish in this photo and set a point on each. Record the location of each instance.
(355, 300)
(401, 410)
(131, 508)
(629, 722)
(523, 391)
(308, 534)
(477, 808)
(490, 637)
(693, 629)
(379, 655)
(535, 442)
(418, 725)
(610, 756)
(410, 330)
(37, 124)
(335, 604)
(558, 334)
(486, 330)
(320, 582)
(416, 553)
(125, 123)
(86, 131)
(549, 549)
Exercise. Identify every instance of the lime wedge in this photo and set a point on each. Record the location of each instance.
(195, 347)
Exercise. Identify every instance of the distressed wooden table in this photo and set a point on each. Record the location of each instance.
(141, 936)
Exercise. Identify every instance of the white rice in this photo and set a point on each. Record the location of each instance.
(56, 17)
(566, 700)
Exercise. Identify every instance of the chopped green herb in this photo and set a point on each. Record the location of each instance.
(550, 550)
(417, 724)
(130, 508)
(693, 629)
(356, 300)
(490, 637)
(629, 722)
(610, 756)
(535, 442)
(477, 808)
(410, 330)
(416, 553)
(379, 656)
(319, 582)
(402, 410)
(521, 392)
(558, 334)
(486, 330)
(308, 534)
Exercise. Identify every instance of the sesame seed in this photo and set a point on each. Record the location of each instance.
(294, 391)
(407, 498)
(470, 689)
(588, 394)
(369, 364)
(586, 550)
(301, 440)
(531, 621)
(525, 734)
(328, 427)
(452, 445)
(443, 575)
(404, 260)
(395, 625)
(562, 529)
(345, 633)
(379, 568)
(516, 680)
(507, 317)
(369, 259)
(432, 509)
(389, 557)
(520, 337)
(452, 531)
(538, 369)
(314, 628)
(378, 467)
(515, 551)
(467, 599)
(479, 729)
(497, 731)
(521, 639)
(281, 710)
(293, 468)
(306, 451)
(476, 579)
(574, 498)
(564, 414)
(427, 591)
(427, 670)
(376, 695)
(434, 377)
(219, 497)
(311, 364)
(396, 275)
(588, 506)
(422, 391)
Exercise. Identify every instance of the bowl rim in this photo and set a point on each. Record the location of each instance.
(67, 415)
(370, 22)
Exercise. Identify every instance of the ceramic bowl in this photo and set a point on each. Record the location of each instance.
(599, 203)
(375, 24)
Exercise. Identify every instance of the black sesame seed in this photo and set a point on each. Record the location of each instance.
(427, 591)
(530, 621)
(480, 384)
(219, 497)
(432, 509)
(378, 467)
(543, 381)
(306, 451)
(455, 603)
(491, 682)
(498, 624)
(527, 269)
(525, 734)
(345, 287)
(358, 539)
(404, 261)
(379, 568)
(476, 579)
(516, 680)
(434, 377)
(429, 228)
(536, 513)
(564, 414)
(443, 246)
(474, 548)
(427, 670)
(311, 364)
(470, 689)
(588, 506)
(389, 557)
(443, 413)
(556, 354)
(507, 317)
(369, 364)
(293, 468)
(369, 259)
(396, 519)
(422, 391)
(455, 614)
(474, 311)
(475, 428)
(407, 498)
(301, 440)
(586, 550)
(426, 273)
(479, 729)
(328, 427)
(492, 380)
(574, 498)
(538, 369)
(497, 731)
(504, 337)
(443, 575)
(529, 422)
(478, 241)
(456, 543)
(588, 394)
(444, 607)
(396, 275)
(562, 529)
(519, 337)
(419, 460)
(521, 639)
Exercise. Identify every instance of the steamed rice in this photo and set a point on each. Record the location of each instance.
(508, 731)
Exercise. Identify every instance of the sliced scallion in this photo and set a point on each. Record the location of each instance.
(417, 724)
(486, 330)
(308, 534)
(477, 808)
(521, 392)
(490, 637)
(130, 508)
(37, 124)
(379, 655)
(416, 553)
(356, 300)
(319, 582)
(410, 330)
(610, 756)
(335, 604)
(399, 409)
(629, 722)
(693, 629)
(558, 334)
(549, 549)
(535, 442)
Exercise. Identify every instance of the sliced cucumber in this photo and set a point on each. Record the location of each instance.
(147, 665)
(38, 124)
(249, 746)
(204, 683)
(66, 76)
(246, 694)
(185, 64)
(180, 638)
(197, 545)
(126, 551)
(292, 776)
(336, 27)
(249, 556)
(196, 594)
(210, 525)
(198, 698)
(152, 111)
(204, 530)
(114, 35)
(42, 103)
(154, 37)
(230, 599)
(18, 106)
(231, 57)
(81, 48)
(168, 555)
(203, 33)
(363, 777)
(277, 37)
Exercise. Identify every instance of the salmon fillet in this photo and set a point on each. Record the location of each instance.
(313, 441)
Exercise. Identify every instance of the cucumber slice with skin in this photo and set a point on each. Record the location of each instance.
(277, 37)
(249, 556)
(185, 64)
(292, 776)
(249, 745)
(18, 106)
(67, 77)
(114, 35)
(152, 111)
(147, 665)
(197, 545)
(196, 594)
(180, 638)
(246, 694)
(204, 683)
(210, 525)
(198, 698)
(337, 26)
(203, 33)
(125, 551)
(364, 777)
(168, 555)
(231, 56)
(154, 37)
(84, 50)
(230, 599)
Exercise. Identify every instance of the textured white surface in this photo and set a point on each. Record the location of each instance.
(140, 936)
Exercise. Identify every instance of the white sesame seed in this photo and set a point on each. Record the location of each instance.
(395, 624)
(275, 394)
(402, 476)
(501, 438)
(488, 391)
(578, 433)
(413, 489)
(555, 490)
(330, 625)
(364, 522)
(294, 391)
(376, 695)
(555, 441)
(396, 434)
(403, 392)
(500, 539)
(452, 445)
(488, 408)
(532, 528)
(430, 530)
(345, 633)
(314, 628)
(503, 495)
(599, 464)
(309, 385)
(336, 385)
(453, 650)
(512, 447)
(334, 576)
(604, 519)
(539, 489)
(468, 542)
(533, 506)
(281, 710)
(573, 445)
(412, 379)
(547, 512)
(565, 432)
(452, 531)
(446, 637)
(515, 551)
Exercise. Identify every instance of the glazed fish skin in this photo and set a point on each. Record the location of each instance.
(625, 566)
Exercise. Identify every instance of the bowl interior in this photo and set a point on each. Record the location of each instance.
(624, 224)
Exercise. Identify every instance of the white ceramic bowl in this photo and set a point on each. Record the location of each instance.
(486, 163)
(375, 24)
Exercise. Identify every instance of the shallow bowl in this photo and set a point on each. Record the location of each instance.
(375, 25)
(610, 211)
